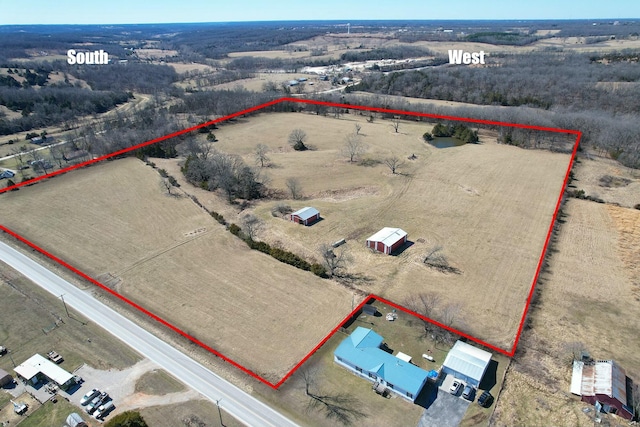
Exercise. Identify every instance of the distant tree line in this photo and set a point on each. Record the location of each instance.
(392, 52)
(133, 76)
(52, 105)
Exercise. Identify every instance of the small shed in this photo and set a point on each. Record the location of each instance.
(5, 378)
(369, 309)
(387, 240)
(306, 216)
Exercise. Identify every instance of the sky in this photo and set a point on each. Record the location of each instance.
(165, 11)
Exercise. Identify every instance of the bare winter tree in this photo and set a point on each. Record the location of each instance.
(396, 124)
(261, 154)
(353, 147)
(393, 163)
(297, 138)
(425, 304)
(251, 225)
(19, 156)
(199, 149)
(339, 407)
(450, 313)
(295, 189)
(57, 155)
(167, 185)
(358, 128)
(334, 260)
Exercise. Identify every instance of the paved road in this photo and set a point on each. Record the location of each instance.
(25, 153)
(236, 402)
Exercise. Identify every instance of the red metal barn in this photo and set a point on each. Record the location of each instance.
(387, 240)
(605, 382)
(306, 216)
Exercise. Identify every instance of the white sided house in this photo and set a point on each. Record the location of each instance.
(37, 368)
(306, 216)
(387, 240)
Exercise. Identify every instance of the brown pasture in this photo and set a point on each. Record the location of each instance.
(115, 222)
(589, 296)
(489, 206)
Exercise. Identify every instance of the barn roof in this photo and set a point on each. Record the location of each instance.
(468, 360)
(37, 363)
(306, 213)
(604, 377)
(388, 235)
(362, 348)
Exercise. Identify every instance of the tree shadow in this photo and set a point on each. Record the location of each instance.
(351, 279)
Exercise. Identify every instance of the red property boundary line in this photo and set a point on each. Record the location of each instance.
(249, 372)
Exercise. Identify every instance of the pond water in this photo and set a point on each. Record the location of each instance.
(446, 142)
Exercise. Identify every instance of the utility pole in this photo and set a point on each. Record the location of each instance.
(65, 305)
(11, 357)
(219, 413)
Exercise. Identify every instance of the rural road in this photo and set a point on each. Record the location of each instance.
(236, 402)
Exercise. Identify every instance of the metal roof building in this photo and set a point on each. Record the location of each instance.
(467, 363)
(306, 215)
(34, 368)
(387, 240)
(360, 352)
(603, 381)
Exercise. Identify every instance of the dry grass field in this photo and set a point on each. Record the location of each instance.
(27, 310)
(590, 295)
(608, 180)
(489, 206)
(115, 222)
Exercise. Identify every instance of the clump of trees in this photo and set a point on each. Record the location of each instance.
(227, 172)
(458, 131)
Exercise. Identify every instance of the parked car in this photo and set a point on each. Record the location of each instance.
(455, 387)
(469, 393)
(89, 396)
(104, 410)
(93, 405)
(55, 357)
(485, 400)
(97, 402)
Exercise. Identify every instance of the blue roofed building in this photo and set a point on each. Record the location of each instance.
(360, 352)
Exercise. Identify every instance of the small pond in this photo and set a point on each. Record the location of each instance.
(446, 142)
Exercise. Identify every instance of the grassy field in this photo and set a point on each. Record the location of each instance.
(609, 180)
(182, 265)
(489, 206)
(589, 299)
(188, 414)
(54, 414)
(158, 383)
(27, 310)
